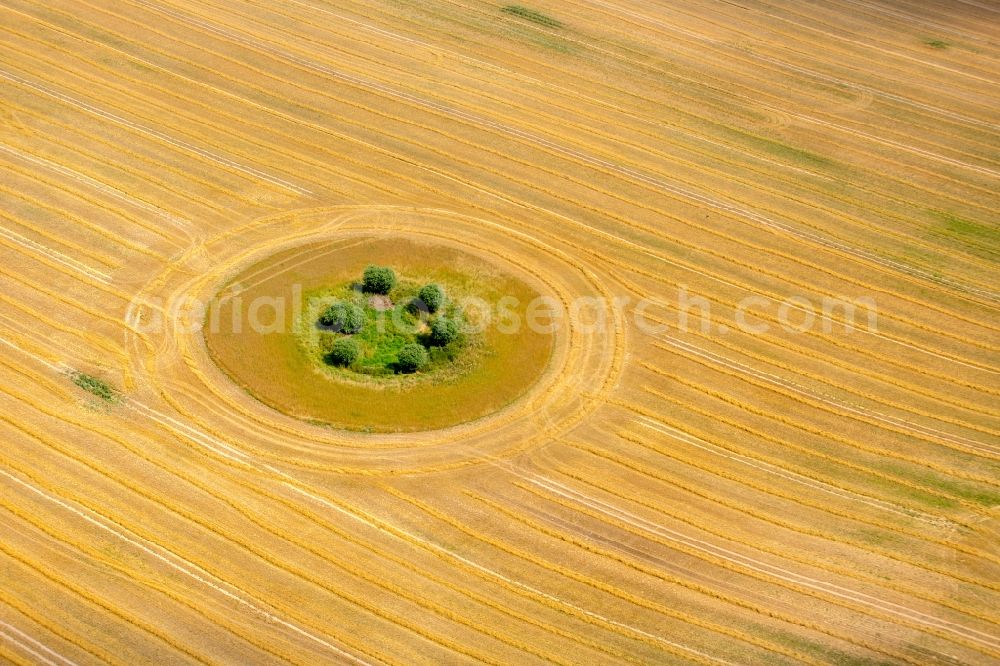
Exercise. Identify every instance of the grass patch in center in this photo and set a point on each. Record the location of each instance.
(391, 322)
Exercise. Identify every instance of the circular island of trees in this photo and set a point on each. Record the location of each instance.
(377, 334)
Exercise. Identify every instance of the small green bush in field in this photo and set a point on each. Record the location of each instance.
(343, 317)
(411, 358)
(432, 296)
(344, 351)
(379, 279)
(443, 331)
(95, 386)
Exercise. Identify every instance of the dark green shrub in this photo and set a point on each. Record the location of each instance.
(95, 386)
(432, 296)
(443, 331)
(343, 317)
(379, 279)
(344, 352)
(411, 358)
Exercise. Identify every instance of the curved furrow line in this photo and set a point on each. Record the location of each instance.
(340, 157)
(616, 512)
(966, 340)
(491, 577)
(629, 562)
(577, 349)
(222, 498)
(95, 557)
(207, 489)
(878, 399)
(840, 386)
(817, 483)
(413, 540)
(640, 63)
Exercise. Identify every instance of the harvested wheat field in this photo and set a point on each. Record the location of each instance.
(739, 406)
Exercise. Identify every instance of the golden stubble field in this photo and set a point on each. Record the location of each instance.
(666, 492)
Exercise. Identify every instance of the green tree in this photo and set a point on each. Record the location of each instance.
(344, 352)
(379, 279)
(411, 358)
(343, 317)
(432, 296)
(443, 331)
